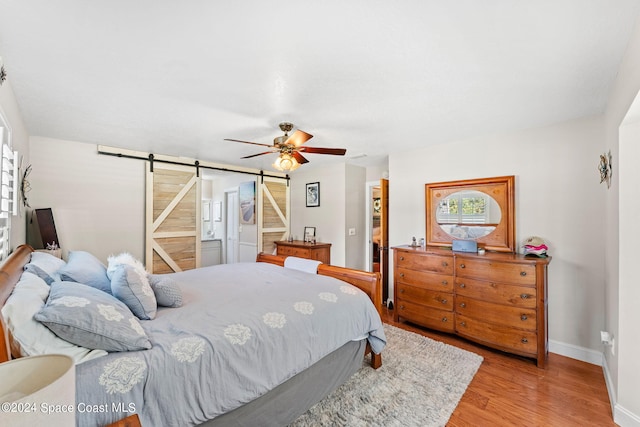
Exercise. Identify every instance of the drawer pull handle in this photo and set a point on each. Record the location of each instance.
(402, 291)
(402, 307)
(401, 258)
(524, 340)
(523, 317)
(461, 265)
(444, 301)
(444, 283)
(444, 263)
(463, 305)
(444, 319)
(523, 273)
(401, 274)
(463, 324)
(524, 296)
(462, 285)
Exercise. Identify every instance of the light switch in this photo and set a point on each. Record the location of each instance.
(352, 232)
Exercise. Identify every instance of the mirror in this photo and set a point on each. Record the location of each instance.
(476, 209)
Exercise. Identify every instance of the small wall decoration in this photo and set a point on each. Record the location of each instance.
(247, 199)
(3, 73)
(313, 194)
(605, 168)
(376, 205)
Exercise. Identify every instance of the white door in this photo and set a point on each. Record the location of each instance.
(232, 226)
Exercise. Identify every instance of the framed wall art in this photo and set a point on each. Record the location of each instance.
(313, 194)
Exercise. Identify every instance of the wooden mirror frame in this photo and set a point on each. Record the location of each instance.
(502, 189)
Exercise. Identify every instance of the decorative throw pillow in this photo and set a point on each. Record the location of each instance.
(30, 337)
(132, 288)
(125, 258)
(83, 267)
(91, 318)
(166, 290)
(47, 262)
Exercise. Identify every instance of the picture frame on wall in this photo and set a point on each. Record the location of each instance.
(313, 194)
(310, 234)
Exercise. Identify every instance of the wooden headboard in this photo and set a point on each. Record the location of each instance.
(368, 282)
(10, 273)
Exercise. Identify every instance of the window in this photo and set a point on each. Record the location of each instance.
(8, 187)
(464, 208)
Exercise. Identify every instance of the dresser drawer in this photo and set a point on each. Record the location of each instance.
(516, 317)
(500, 293)
(426, 297)
(505, 272)
(501, 337)
(293, 251)
(422, 261)
(425, 279)
(430, 317)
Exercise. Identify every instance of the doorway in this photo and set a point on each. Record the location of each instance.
(377, 251)
(232, 229)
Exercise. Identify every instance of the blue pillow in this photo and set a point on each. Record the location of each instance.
(83, 267)
(133, 289)
(90, 318)
(166, 290)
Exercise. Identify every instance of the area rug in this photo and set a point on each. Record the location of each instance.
(420, 383)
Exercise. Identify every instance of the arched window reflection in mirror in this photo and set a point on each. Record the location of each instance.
(474, 209)
(468, 214)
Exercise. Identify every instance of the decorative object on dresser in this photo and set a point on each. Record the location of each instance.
(317, 251)
(496, 299)
(310, 234)
(482, 210)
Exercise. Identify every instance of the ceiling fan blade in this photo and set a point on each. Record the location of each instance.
(298, 138)
(259, 154)
(299, 157)
(248, 142)
(320, 150)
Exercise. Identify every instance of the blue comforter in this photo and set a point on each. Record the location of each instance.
(243, 329)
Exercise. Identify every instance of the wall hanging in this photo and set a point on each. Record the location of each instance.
(605, 168)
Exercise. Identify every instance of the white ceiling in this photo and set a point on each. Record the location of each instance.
(177, 77)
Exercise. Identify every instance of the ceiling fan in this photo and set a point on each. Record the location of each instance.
(290, 148)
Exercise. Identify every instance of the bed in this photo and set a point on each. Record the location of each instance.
(232, 322)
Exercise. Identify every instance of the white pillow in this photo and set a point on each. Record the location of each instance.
(125, 258)
(47, 262)
(30, 336)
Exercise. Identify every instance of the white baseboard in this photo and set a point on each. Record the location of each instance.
(621, 415)
(575, 352)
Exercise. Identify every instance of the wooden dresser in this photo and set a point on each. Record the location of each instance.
(298, 248)
(496, 299)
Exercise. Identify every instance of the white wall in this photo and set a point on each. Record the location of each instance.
(558, 197)
(622, 296)
(98, 201)
(329, 218)
(355, 216)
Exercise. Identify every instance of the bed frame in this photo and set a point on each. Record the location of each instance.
(13, 267)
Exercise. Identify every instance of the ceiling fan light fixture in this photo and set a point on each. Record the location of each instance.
(286, 163)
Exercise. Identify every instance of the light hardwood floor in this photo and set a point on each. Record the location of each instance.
(511, 390)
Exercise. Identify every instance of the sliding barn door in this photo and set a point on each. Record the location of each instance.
(273, 213)
(172, 218)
